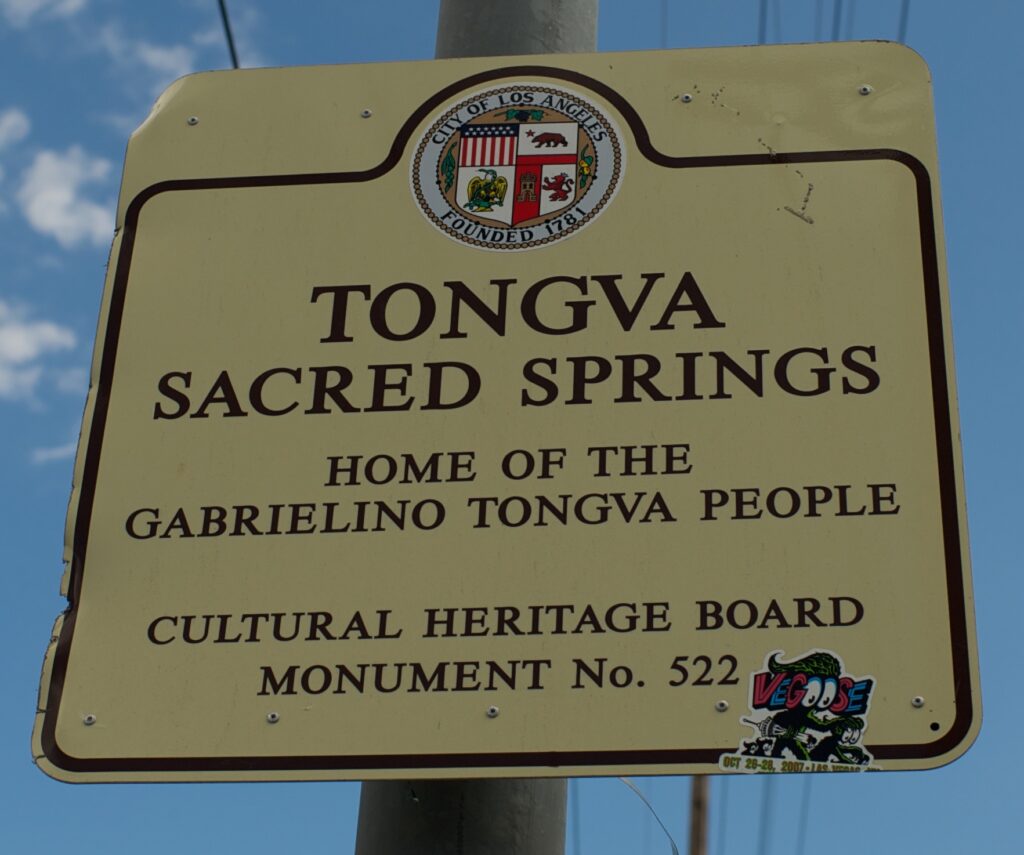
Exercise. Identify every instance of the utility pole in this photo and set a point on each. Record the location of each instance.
(698, 815)
(481, 817)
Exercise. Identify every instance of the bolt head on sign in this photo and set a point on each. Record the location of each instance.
(528, 419)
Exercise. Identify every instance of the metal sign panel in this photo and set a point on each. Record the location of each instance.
(547, 416)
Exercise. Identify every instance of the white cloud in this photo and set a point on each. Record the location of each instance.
(212, 36)
(163, 63)
(247, 22)
(51, 200)
(123, 123)
(171, 62)
(60, 452)
(73, 381)
(17, 384)
(19, 13)
(23, 342)
(14, 126)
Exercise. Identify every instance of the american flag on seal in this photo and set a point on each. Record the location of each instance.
(488, 145)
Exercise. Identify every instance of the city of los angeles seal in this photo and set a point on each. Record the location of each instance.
(518, 166)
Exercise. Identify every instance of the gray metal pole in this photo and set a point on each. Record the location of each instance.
(507, 27)
(481, 817)
(484, 817)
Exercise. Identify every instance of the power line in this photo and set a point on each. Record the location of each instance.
(805, 804)
(671, 840)
(766, 815)
(227, 33)
(646, 842)
(574, 805)
(904, 17)
(723, 815)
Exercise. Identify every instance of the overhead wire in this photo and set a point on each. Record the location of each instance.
(227, 32)
(765, 831)
(904, 17)
(723, 814)
(646, 834)
(805, 805)
(671, 840)
(574, 814)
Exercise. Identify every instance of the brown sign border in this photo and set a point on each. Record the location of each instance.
(958, 618)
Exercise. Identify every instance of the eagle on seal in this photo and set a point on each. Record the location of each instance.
(486, 192)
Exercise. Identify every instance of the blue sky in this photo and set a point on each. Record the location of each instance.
(76, 76)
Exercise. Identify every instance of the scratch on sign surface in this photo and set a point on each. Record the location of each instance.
(802, 213)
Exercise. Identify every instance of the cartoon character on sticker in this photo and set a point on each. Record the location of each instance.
(807, 710)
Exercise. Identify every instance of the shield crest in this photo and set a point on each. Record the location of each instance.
(516, 172)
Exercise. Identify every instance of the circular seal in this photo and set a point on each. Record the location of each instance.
(518, 166)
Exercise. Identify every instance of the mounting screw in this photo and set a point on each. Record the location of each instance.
(273, 718)
(686, 97)
(721, 706)
(866, 89)
(193, 120)
(917, 702)
(492, 712)
(89, 720)
(366, 113)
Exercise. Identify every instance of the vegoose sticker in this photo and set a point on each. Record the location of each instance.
(808, 715)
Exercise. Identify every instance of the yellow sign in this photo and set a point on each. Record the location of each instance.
(503, 417)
